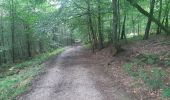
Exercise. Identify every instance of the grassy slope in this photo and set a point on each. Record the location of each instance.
(15, 80)
(151, 65)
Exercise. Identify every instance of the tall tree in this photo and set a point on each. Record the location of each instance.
(115, 26)
(167, 15)
(91, 25)
(152, 5)
(100, 25)
(123, 35)
(159, 16)
(144, 12)
(12, 15)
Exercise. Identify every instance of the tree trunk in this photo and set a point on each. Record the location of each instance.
(133, 24)
(28, 40)
(28, 45)
(141, 10)
(3, 44)
(91, 25)
(123, 35)
(148, 26)
(115, 26)
(100, 26)
(138, 28)
(167, 19)
(159, 17)
(90, 38)
(13, 30)
(119, 18)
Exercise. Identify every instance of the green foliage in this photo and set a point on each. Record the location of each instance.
(166, 92)
(161, 60)
(143, 67)
(151, 61)
(131, 70)
(11, 86)
(148, 58)
(154, 78)
(14, 84)
(28, 28)
(167, 63)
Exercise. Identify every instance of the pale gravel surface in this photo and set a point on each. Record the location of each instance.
(75, 75)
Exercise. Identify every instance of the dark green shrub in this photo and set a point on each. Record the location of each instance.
(166, 92)
(131, 69)
(153, 79)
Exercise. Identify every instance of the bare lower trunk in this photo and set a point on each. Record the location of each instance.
(123, 35)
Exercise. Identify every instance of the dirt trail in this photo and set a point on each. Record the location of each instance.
(75, 75)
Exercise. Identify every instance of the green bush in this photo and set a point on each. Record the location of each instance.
(154, 79)
(131, 70)
(147, 58)
(15, 80)
(144, 66)
(166, 92)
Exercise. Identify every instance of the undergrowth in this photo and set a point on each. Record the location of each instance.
(16, 79)
(153, 70)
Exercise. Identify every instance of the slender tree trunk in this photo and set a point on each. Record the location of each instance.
(167, 19)
(28, 40)
(164, 21)
(28, 45)
(133, 25)
(119, 18)
(100, 26)
(123, 35)
(144, 12)
(90, 38)
(148, 26)
(115, 26)
(159, 17)
(27, 28)
(91, 25)
(40, 47)
(110, 34)
(13, 30)
(138, 28)
(3, 44)
(167, 16)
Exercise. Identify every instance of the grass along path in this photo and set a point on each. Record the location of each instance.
(16, 79)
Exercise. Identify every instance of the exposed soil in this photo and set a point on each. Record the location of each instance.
(77, 74)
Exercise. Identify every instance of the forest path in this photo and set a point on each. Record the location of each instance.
(75, 75)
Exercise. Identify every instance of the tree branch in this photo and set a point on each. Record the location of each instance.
(144, 12)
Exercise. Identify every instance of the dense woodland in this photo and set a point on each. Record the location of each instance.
(29, 28)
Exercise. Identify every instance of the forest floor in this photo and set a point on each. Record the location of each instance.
(141, 72)
(143, 69)
(77, 74)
